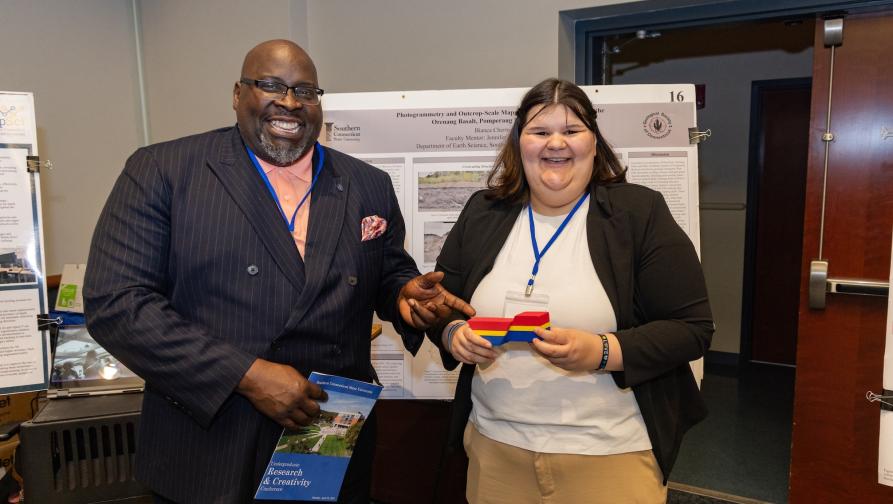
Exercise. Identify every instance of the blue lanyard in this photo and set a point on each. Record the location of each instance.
(263, 175)
(537, 255)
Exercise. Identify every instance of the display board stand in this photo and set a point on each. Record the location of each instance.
(24, 356)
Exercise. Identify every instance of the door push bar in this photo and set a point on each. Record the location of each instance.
(820, 285)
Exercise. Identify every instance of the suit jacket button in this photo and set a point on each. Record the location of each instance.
(252, 270)
(351, 280)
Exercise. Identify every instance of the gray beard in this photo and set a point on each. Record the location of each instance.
(281, 156)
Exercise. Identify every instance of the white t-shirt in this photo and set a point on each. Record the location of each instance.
(522, 399)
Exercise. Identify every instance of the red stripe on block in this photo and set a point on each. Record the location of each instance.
(489, 323)
(531, 319)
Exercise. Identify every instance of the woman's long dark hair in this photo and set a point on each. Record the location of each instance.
(506, 180)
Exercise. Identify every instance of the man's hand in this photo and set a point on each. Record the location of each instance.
(281, 393)
(423, 301)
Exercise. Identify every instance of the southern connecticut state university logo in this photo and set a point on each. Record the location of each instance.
(657, 125)
(342, 132)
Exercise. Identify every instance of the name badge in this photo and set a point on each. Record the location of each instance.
(517, 302)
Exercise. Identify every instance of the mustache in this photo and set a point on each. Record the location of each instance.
(284, 112)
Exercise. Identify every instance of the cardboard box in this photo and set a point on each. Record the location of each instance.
(7, 452)
(7, 460)
(17, 407)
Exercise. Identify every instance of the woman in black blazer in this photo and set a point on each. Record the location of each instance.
(594, 410)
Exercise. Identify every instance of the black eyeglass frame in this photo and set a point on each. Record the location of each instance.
(284, 89)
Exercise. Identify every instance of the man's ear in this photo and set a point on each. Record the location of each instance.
(236, 88)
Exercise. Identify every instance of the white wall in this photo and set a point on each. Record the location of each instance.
(77, 59)
(193, 52)
(80, 60)
(728, 60)
(392, 45)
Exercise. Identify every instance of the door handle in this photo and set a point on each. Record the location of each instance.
(820, 285)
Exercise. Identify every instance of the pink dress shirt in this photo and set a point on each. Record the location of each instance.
(290, 183)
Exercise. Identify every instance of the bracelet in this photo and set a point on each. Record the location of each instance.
(450, 331)
(604, 362)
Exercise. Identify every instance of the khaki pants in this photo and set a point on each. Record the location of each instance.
(500, 473)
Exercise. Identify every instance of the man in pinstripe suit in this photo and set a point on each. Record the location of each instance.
(227, 266)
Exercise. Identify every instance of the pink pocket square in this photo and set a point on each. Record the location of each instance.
(373, 227)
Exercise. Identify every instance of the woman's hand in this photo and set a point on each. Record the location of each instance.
(467, 347)
(573, 349)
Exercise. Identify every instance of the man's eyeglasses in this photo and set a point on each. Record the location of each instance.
(304, 94)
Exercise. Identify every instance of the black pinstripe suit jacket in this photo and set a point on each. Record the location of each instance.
(193, 274)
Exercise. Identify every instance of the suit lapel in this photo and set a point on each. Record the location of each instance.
(328, 205)
(241, 180)
(611, 249)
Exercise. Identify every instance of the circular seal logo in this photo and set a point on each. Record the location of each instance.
(657, 125)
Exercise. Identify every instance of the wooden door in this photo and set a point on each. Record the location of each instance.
(779, 148)
(840, 349)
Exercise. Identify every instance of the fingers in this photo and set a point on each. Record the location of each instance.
(552, 344)
(559, 355)
(299, 413)
(314, 391)
(289, 424)
(457, 304)
(417, 321)
(421, 316)
(432, 301)
(428, 282)
(569, 349)
(470, 348)
(466, 356)
(549, 350)
(304, 408)
(430, 279)
(282, 393)
(425, 311)
(477, 340)
(555, 335)
(300, 418)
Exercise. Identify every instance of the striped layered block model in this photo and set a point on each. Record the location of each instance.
(498, 330)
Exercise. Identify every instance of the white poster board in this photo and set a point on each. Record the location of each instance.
(24, 359)
(438, 147)
(885, 439)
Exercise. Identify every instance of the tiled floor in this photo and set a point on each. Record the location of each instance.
(743, 447)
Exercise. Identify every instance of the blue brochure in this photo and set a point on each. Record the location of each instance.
(309, 464)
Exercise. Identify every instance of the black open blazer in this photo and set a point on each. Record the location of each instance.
(652, 276)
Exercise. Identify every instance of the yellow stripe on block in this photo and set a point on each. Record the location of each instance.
(529, 327)
(481, 332)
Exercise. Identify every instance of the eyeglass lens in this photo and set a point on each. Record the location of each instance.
(302, 94)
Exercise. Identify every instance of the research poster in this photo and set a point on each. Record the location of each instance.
(24, 360)
(439, 146)
(885, 438)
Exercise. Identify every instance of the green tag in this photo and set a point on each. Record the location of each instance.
(67, 293)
